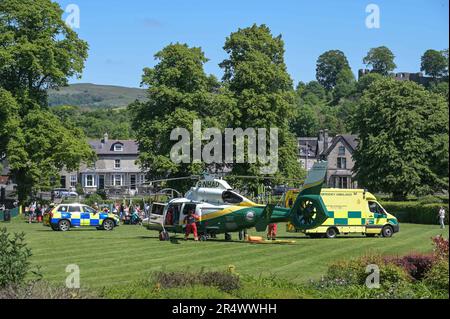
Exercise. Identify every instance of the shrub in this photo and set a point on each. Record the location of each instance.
(14, 258)
(92, 199)
(437, 278)
(415, 212)
(430, 199)
(353, 272)
(441, 247)
(416, 265)
(224, 281)
(42, 290)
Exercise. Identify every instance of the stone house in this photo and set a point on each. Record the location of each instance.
(337, 150)
(115, 170)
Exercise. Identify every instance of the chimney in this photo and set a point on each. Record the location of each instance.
(325, 140)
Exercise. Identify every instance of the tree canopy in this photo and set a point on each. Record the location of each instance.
(37, 51)
(256, 74)
(434, 63)
(329, 67)
(179, 92)
(381, 59)
(403, 134)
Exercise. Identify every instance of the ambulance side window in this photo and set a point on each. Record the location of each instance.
(375, 208)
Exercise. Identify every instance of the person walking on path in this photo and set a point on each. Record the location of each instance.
(442, 217)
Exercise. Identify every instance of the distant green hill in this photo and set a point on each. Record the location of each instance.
(95, 96)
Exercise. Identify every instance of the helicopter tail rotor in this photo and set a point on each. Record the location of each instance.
(309, 210)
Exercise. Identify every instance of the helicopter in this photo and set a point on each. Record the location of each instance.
(221, 210)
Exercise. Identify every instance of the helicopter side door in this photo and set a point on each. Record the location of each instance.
(185, 210)
(157, 213)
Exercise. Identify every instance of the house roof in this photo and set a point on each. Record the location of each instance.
(350, 140)
(130, 147)
(316, 147)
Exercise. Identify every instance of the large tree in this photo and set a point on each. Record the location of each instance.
(40, 148)
(329, 67)
(256, 73)
(381, 59)
(179, 92)
(435, 63)
(37, 51)
(403, 132)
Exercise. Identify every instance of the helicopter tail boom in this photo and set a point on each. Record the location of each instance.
(309, 210)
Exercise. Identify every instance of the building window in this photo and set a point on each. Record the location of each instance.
(117, 180)
(342, 163)
(341, 182)
(141, 179)
(117, 164)
(341, 150)
(118, 148)
(73, 180)
(90, 181)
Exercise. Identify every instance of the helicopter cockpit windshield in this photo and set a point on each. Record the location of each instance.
(230, 197)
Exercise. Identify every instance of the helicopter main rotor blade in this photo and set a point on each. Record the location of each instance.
(172, 179)
(265, 177)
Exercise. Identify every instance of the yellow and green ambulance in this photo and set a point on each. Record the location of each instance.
(349, 211)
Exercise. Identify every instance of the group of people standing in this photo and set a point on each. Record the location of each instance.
(35, 212)
(129, 213)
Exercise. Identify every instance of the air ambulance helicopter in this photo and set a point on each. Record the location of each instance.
(221, 210)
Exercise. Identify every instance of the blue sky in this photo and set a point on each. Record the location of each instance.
(124, 35)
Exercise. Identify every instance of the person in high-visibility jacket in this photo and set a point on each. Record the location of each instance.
(191, 226)
(272, 231)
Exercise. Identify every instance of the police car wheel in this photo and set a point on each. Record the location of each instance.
(387, 231)
(64, 225)
(331, 232)
(108, 225)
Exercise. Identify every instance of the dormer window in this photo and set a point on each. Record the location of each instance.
(118, 148)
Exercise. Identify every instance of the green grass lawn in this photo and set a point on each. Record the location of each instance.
(132, 252)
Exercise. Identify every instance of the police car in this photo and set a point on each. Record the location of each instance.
(65, 216)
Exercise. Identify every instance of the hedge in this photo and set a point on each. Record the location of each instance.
(416, 212)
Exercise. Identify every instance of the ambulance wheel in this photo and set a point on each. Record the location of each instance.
(64, 225)
(331, 232)
(387, 231)
(108, 225)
